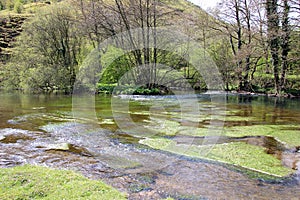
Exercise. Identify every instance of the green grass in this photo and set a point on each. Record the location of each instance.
(261, 77)
(33, 182)
(237, 153)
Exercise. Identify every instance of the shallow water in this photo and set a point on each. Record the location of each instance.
(101, 140)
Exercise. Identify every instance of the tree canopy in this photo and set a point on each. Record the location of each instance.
(254, 43)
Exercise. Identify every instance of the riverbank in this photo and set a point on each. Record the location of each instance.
(290, 94)
(36, 182)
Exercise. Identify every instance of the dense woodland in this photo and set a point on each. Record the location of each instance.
(254, 43)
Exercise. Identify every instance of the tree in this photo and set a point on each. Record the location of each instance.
(104, 19)
(237, 21)
(220, 52)
(285, 42)
(273, 37)
(46, 56)
(18, 6)
(279, 40)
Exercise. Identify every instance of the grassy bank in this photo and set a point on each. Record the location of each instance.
(33, 182)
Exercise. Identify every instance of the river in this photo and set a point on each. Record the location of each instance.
(120, 139)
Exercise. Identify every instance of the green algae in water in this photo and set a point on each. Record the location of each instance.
(287, 134)
(164, 127)
(237, 153)
(230, 118)
(34, 182)
(118, 162)
(192, 131)
(107, 122)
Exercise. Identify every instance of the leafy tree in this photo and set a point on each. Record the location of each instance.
(279, 35)
(222, 55)
(47, 52)
(103, 19)
(9, 4)
(18, 6)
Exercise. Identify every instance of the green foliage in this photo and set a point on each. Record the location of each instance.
(53, 47)
(222, 55)
(129, 90)
(45, 58)
(264, 82)
(18, 6)
(9, 4)
(2, 6)
(114, 66)
(105, 88)
(33, 182)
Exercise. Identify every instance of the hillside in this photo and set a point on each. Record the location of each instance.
(11, 22)
(10, 28)
(238, 47)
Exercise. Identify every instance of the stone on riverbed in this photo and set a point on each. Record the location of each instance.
(67, 147)
(10, 135)
(2, 138)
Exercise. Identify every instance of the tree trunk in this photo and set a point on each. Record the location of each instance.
(273, 36)
(239, 41)
(285, 43)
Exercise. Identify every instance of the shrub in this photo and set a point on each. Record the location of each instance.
(18, 7)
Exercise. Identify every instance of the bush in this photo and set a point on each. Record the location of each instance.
(9, 5)
(18, 7)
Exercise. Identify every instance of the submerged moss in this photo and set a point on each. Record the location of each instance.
(163, 126)
(33, 182)
(237, 153)
(230, 118)
(118, 162)
(288, 134)
(107, 121)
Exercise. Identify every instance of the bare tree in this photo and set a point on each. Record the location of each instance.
(240, 21)
(104, 19)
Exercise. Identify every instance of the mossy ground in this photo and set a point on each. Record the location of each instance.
(238, 123)
(33, 182)
(237, 153)
(288, 134)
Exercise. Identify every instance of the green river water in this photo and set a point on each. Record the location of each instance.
(205, 146)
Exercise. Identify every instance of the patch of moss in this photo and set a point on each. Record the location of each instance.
(107, 121)
(117, 162)
(33, 182)
(158, 143)
(239, 118)
(288, 134)
(136, 187)
(192, 131)
(163, 126)
(237, 153)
